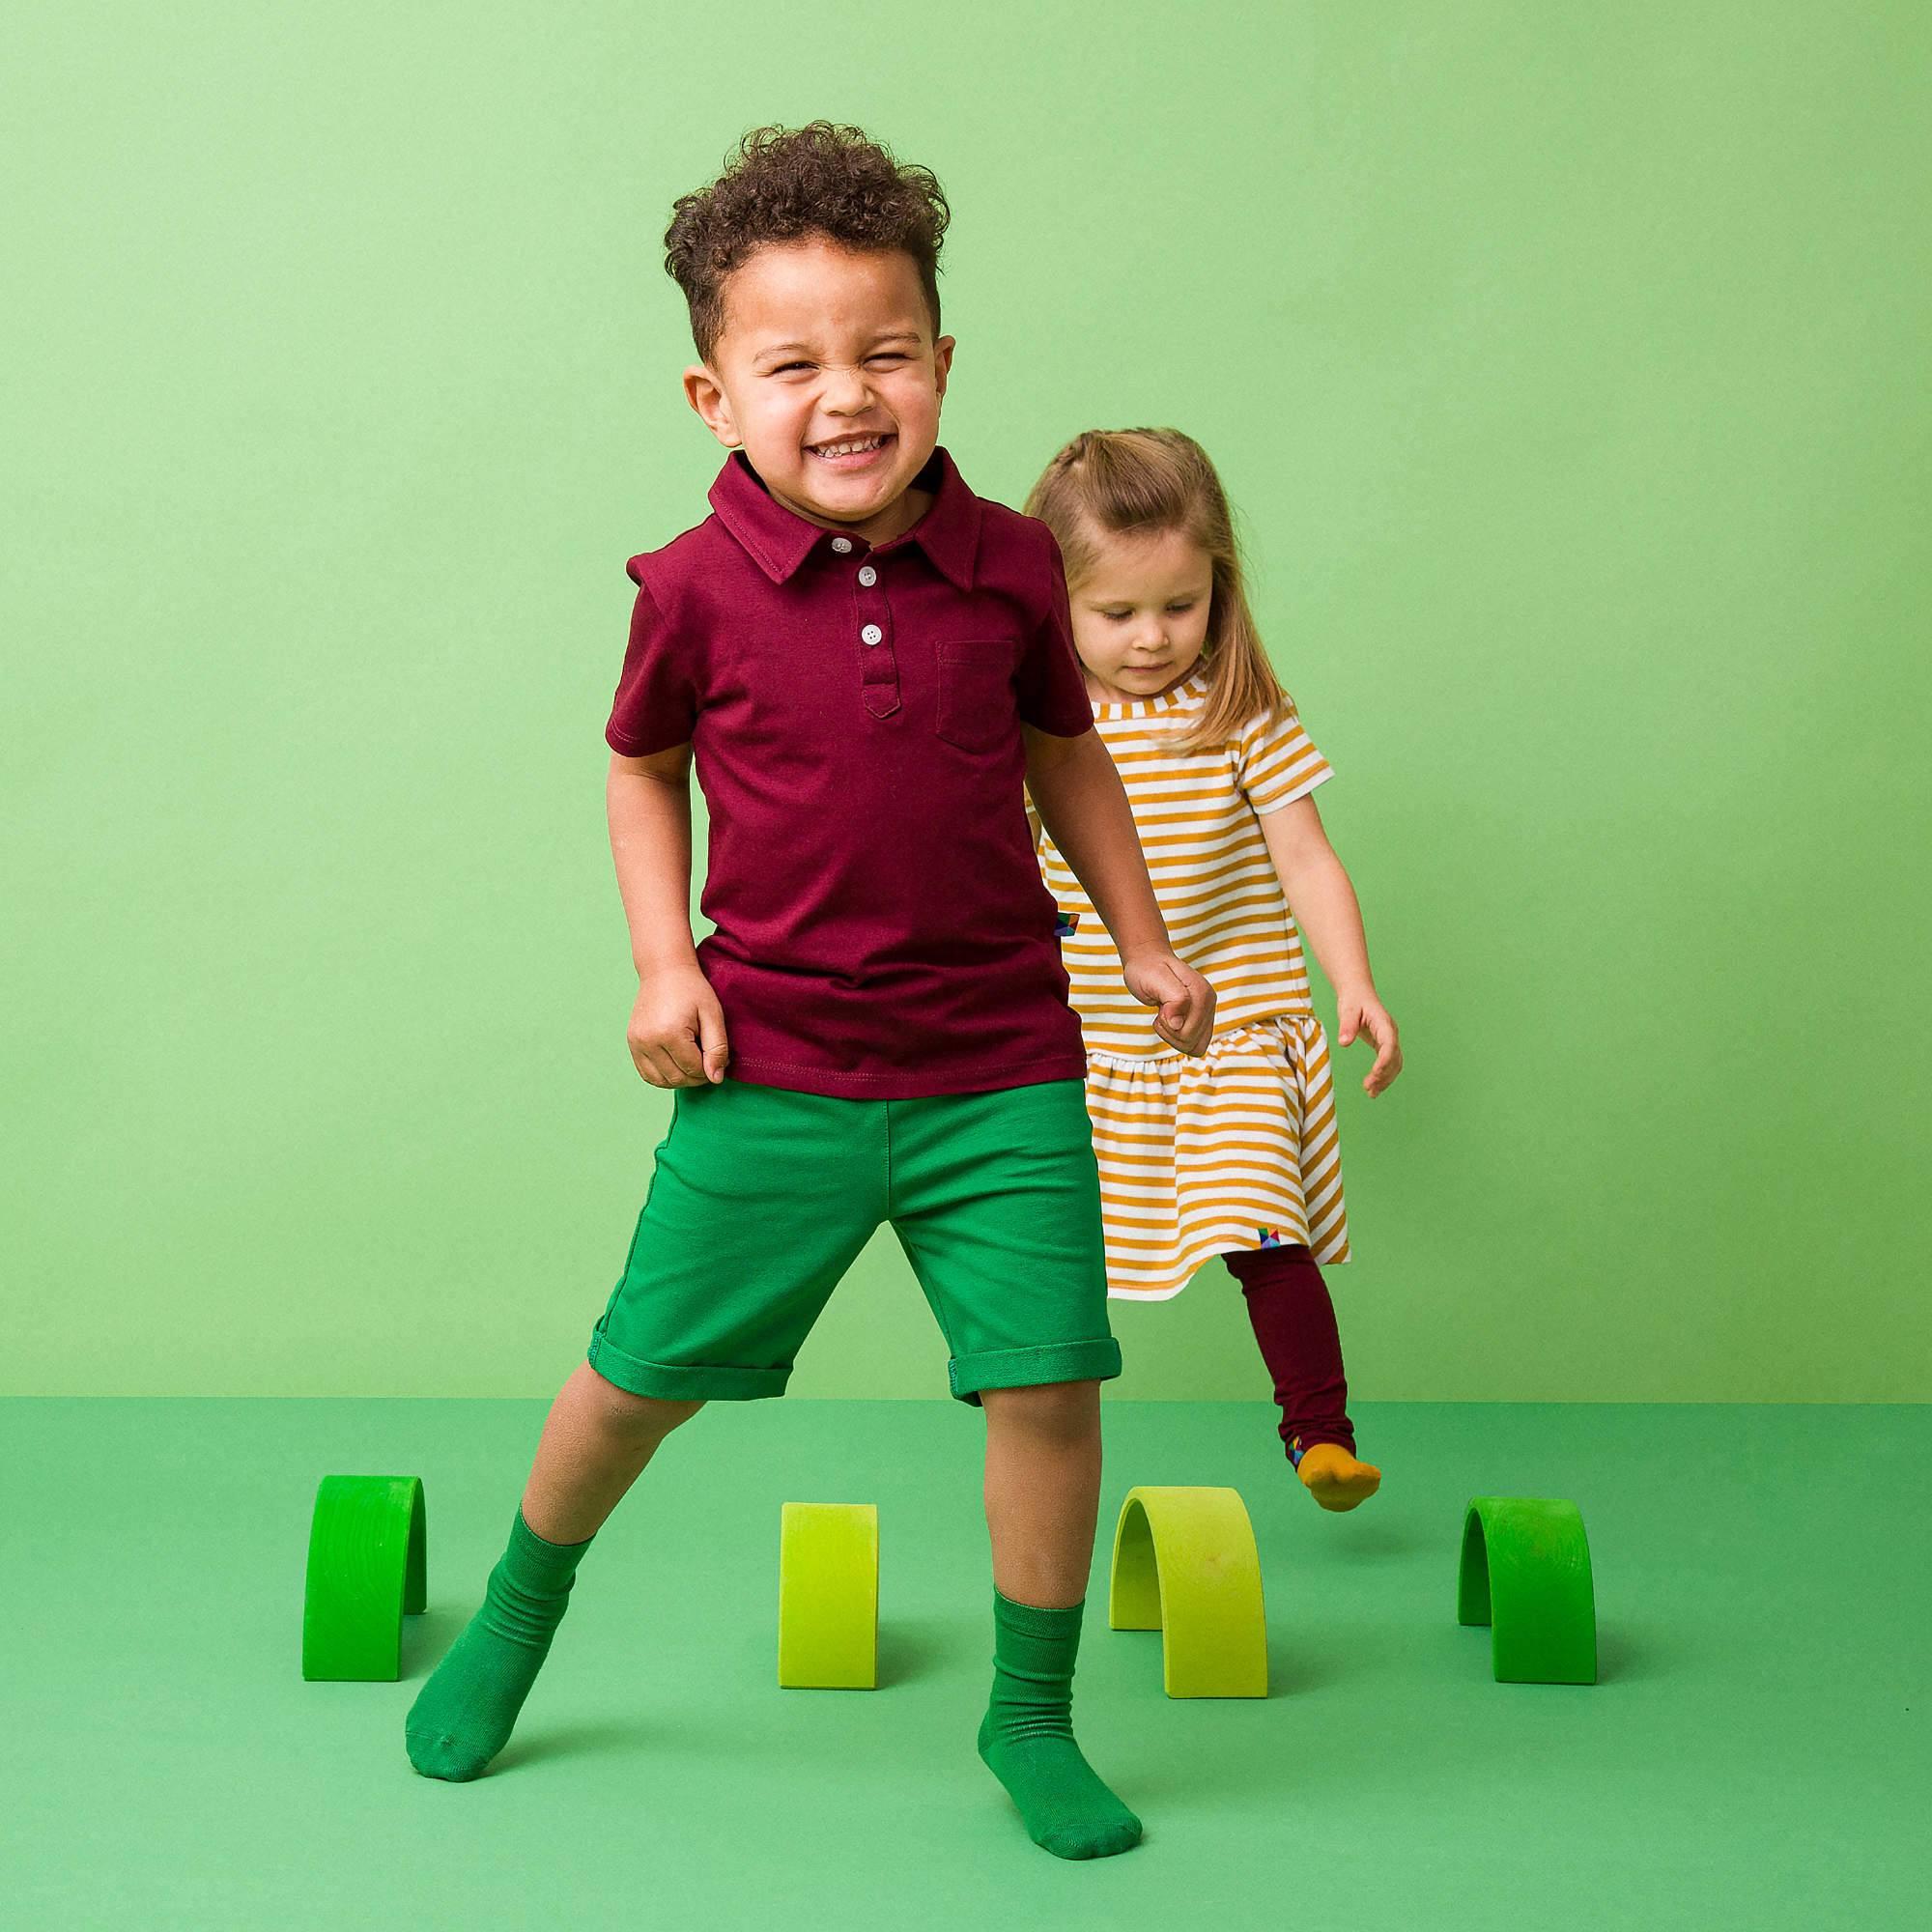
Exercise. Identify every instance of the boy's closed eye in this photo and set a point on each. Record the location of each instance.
(888, 361)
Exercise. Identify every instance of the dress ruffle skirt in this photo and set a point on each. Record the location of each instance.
(1237, 1150)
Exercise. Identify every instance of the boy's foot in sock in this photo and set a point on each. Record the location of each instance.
(465, 1714)
(1334, 1478)
(1027, 1738)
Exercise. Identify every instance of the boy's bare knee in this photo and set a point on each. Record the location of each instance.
(642, 1418)
(1067, 1411)
(646, 1418)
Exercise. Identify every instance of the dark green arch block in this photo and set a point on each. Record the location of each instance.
(1526, 1572)
(368, 1549)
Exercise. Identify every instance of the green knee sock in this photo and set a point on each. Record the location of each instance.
(467, 1709)
(1027, 1739)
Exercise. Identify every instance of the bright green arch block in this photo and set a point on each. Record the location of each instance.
(368, 1548)
(1525, 1571)
(829, 1597)
(1185, 1564)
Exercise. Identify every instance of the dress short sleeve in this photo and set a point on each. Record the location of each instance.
(1052, 688)
(1276, 762)
(656, 705)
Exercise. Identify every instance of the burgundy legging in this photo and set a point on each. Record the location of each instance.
(1295, 1323)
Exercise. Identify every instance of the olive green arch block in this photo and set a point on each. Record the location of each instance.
(368, 1560)
(1525, 1571)
(1185, 1564)
(829, 1597)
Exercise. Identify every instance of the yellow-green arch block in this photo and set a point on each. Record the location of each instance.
(829, 1597)
(1185, 1564)
(368, 1561)
(1525, 1571)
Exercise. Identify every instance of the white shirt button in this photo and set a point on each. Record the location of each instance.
(872, 634)
(841, 544)
(868, 576)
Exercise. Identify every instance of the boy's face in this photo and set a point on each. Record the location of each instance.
(827, 376)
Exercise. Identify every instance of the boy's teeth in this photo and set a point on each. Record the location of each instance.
(848, 448)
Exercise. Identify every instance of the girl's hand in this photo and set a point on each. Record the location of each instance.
(1186, 1000)
(677, 1030)
(1363, 1014)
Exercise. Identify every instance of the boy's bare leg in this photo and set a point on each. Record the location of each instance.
(596, 1440)
(1042, 1493)
(1043, 1490)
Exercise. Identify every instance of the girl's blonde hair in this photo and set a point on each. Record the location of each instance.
(1124, 482)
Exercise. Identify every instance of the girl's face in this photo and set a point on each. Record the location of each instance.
(1140, 615)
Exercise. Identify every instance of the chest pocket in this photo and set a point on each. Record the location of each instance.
(976, 694)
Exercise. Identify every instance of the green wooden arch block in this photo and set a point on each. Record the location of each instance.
(1525, 1571)
(829, 1597)
(368, 1551)
(1185, 1564)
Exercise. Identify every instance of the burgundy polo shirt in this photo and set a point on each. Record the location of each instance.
(854, 714)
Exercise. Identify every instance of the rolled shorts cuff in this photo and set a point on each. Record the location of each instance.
(682, 1381)
(1098, 1361)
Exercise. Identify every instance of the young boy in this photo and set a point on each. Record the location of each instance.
(865, 661)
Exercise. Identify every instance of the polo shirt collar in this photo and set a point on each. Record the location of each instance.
(778, 540)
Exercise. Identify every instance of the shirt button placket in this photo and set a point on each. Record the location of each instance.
(879, 681)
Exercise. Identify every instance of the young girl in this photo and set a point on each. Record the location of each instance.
(1233, 1153)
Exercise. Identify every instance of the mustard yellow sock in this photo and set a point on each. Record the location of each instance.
(1335, 1478)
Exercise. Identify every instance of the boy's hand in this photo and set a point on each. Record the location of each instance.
(1363, 1014)
(1186, 1000)
(677, 1030)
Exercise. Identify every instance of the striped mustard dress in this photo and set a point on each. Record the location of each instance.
(1237, 1150)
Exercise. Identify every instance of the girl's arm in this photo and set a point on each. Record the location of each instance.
(1324, 907)
(1078, 796)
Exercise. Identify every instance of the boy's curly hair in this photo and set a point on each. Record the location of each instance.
(784, 183)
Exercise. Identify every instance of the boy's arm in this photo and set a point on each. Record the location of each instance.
(1323, 903)
(677, 1027)
(1080, 800)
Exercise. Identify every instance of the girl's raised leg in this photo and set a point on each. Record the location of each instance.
(1294, 1321)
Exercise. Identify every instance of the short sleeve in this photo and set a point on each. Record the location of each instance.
(1052, 688)
(656, 705)
(1276, 762)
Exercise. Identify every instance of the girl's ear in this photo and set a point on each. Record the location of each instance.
(705, 394)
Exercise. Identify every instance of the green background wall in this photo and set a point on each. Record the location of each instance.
(1567, 362)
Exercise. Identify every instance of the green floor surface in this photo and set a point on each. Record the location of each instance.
(1756, 1755)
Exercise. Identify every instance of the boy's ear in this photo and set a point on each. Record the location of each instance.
(941, 363)
(705, 394)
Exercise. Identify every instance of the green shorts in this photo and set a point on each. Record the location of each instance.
(763, 1196)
